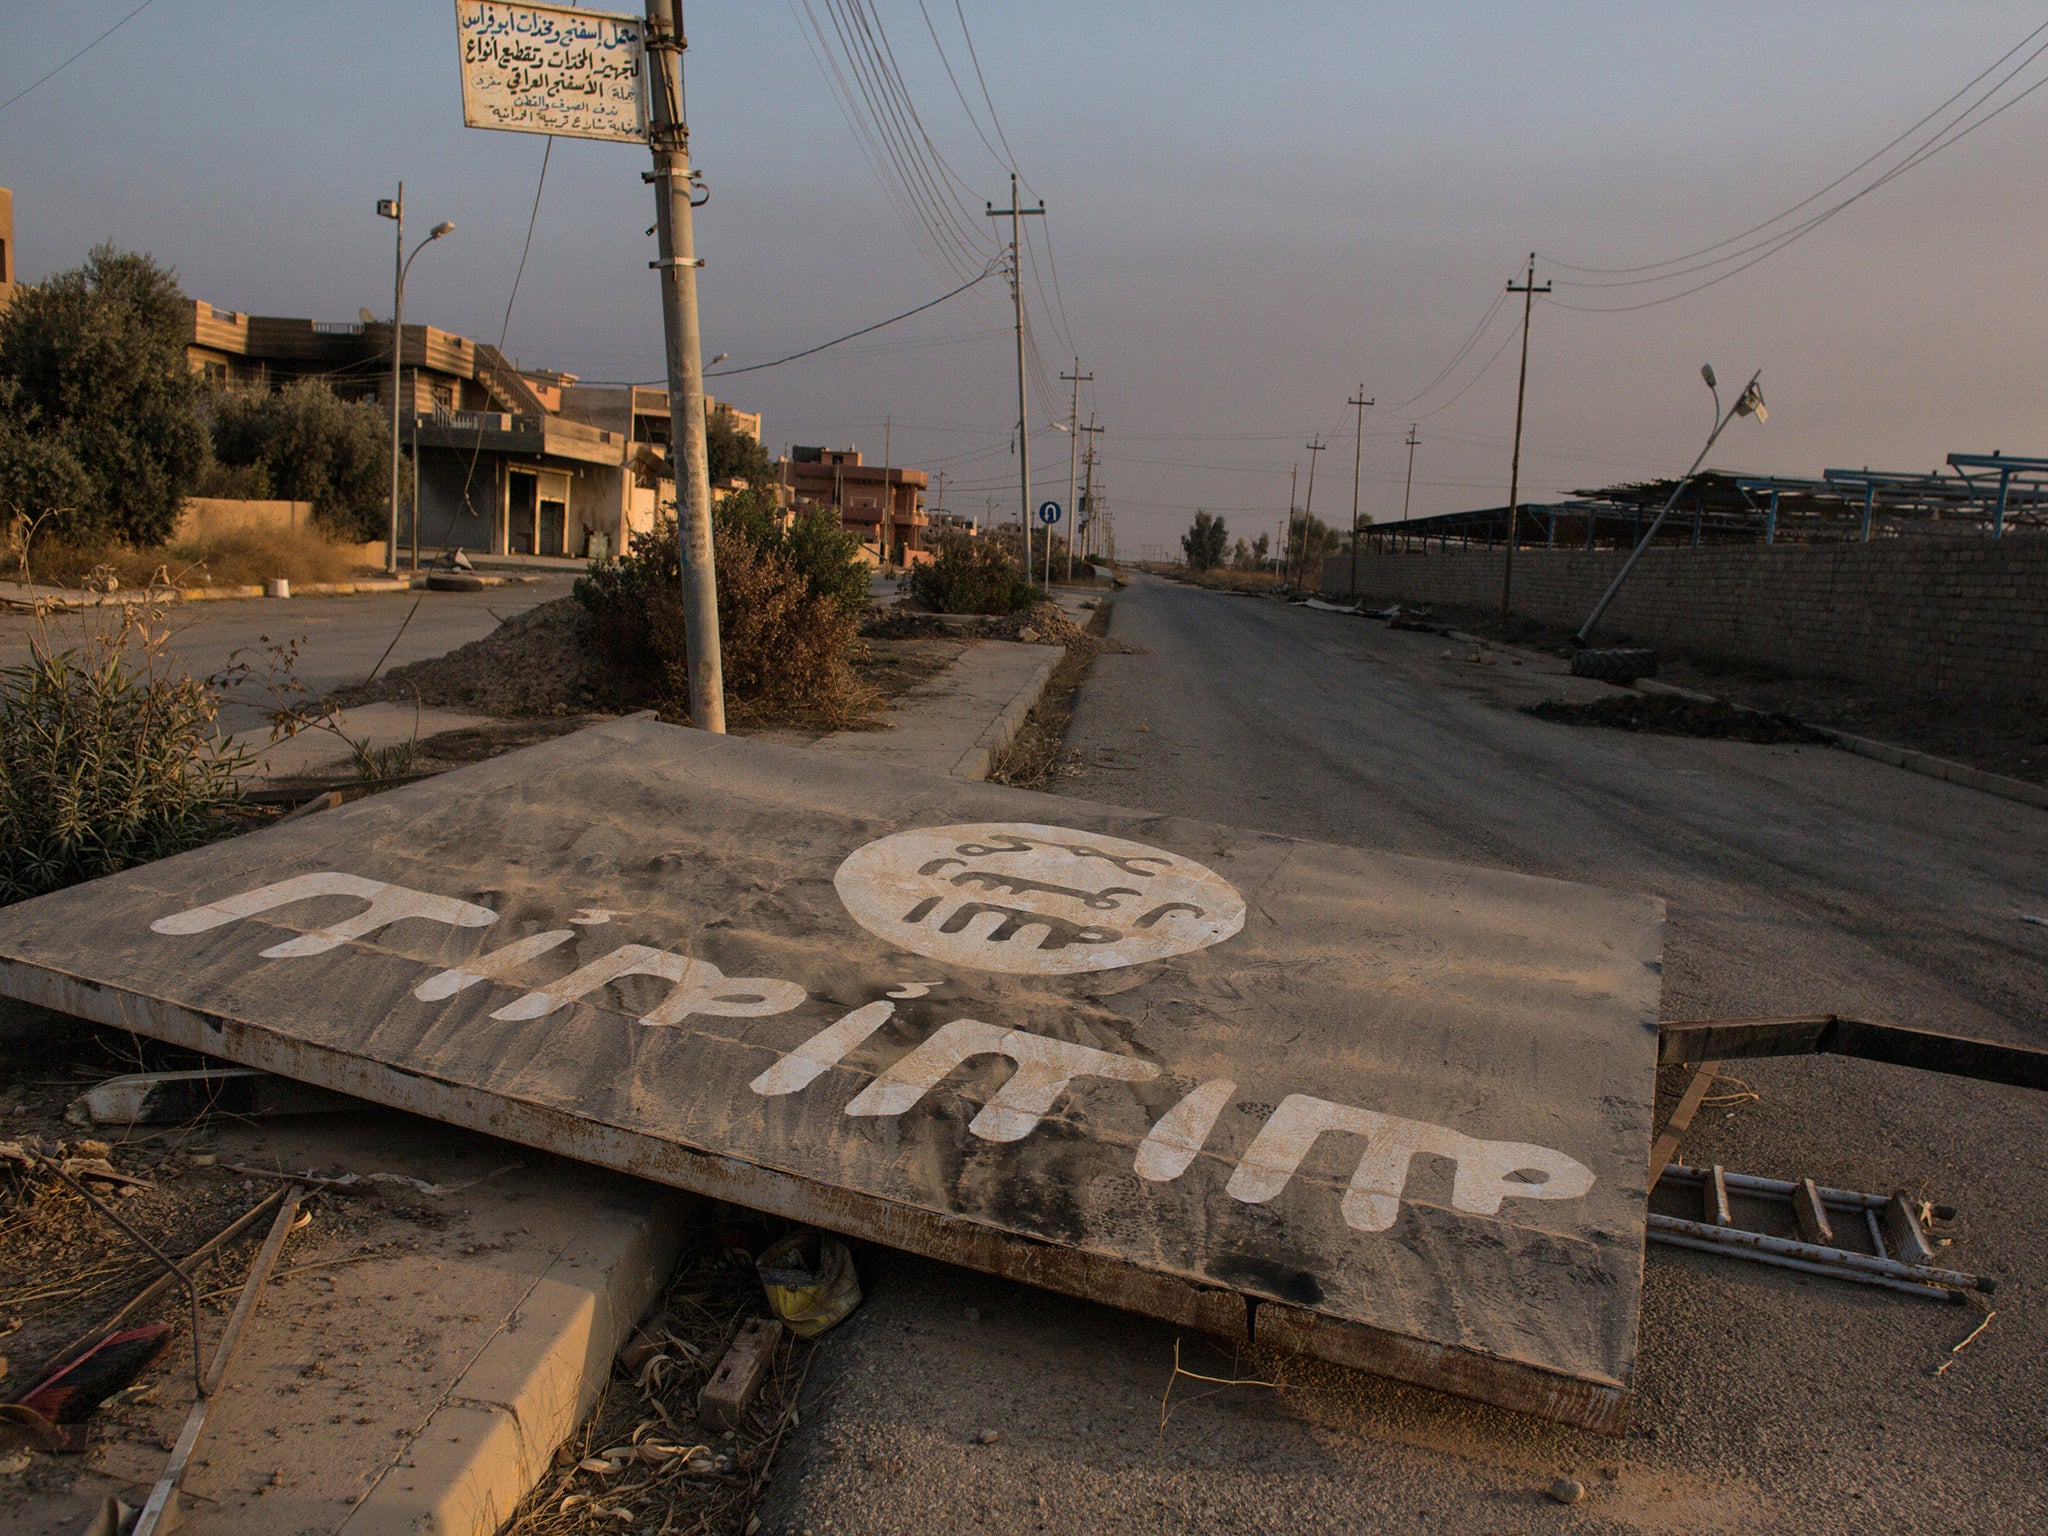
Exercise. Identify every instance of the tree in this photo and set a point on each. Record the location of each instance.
(1310, 540)
(730, 454)
(94, 361)
(311, 445)
(1205, 542)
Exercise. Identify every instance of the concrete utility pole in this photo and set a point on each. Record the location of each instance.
(669, 137)
(1528, 291)
(1287, 539)
(1357, 462)
(1077, 378)
(1308, 508)
(1407, 489)
(1016, 214)
(1088, 495)
(888, 492)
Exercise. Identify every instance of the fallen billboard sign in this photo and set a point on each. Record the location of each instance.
(1387, 1111)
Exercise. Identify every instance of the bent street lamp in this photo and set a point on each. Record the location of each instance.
(394, 208)
(1749, 403)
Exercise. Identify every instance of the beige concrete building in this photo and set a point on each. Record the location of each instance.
(882, 505)
(511, 461)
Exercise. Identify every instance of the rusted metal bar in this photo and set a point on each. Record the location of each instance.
(1666, 1146)
(79, 1347)
(156, 1514)
(1842, 1262)
(191, 1290)
(1828, 1034)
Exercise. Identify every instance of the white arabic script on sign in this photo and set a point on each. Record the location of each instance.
(549, 69)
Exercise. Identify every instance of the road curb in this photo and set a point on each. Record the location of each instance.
(68, 601)
(493, 1436)
(977, 761)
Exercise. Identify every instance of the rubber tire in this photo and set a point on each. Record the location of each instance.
(1615, 666)
(453, 581)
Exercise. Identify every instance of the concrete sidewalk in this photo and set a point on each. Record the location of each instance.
(958, 723)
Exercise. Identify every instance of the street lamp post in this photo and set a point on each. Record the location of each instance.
(393, 208)
(1749, 403)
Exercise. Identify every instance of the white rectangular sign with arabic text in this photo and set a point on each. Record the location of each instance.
(550, 69)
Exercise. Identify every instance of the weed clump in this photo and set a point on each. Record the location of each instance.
(969, 575)
(109, 757)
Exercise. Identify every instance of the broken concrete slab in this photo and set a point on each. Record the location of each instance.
(1388, 1111)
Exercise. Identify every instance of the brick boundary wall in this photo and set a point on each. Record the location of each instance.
(1968, 617)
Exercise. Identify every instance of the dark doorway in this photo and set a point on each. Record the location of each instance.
(554, 528)
(520, 514)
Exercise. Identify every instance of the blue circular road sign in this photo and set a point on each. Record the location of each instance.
(1048, 512)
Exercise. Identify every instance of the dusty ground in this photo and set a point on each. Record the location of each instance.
(1997, 736)
(535, 666)
(1797, 878)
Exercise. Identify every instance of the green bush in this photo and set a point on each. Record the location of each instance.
(308, 444)
(814, 543)
(92, 363)
(108, 758)
(970, 575)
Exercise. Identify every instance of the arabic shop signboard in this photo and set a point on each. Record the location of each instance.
(1392, 1112)
(550, 69)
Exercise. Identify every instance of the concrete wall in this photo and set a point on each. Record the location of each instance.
(219, 514)
(1969, 617)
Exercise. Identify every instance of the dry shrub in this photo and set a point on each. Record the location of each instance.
(1220, 579)
(782, 644)
(229, 557)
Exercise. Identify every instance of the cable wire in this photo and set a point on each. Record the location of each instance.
(1816, 196)
(726, 373)
(88, 48)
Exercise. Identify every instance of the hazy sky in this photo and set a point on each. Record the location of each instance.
(1253, 210)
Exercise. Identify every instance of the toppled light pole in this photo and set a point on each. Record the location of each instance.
(1749, 403)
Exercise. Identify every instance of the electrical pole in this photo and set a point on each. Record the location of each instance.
(1357, 461)
(1528, 291)
(1077, 378)
(1087, 496)
(1308, 508)
(888, 491)
(1016, 214)
(1410, 486)
(1287, 539)
(669, 137)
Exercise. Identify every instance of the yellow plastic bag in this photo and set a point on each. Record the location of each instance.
(810, 1281)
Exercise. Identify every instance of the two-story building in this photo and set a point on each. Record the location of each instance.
(510, 461)
(882, 505)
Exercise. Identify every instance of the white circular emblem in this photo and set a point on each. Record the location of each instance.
(1010, 896)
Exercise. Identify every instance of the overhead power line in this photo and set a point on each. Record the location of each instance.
(88, 48)
(1813, 197)
(1952, 132)
(726, 373)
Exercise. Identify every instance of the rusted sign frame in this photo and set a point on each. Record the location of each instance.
(1226, 1314)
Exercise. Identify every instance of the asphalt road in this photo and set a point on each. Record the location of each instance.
(1798, 879)
(340, 638)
